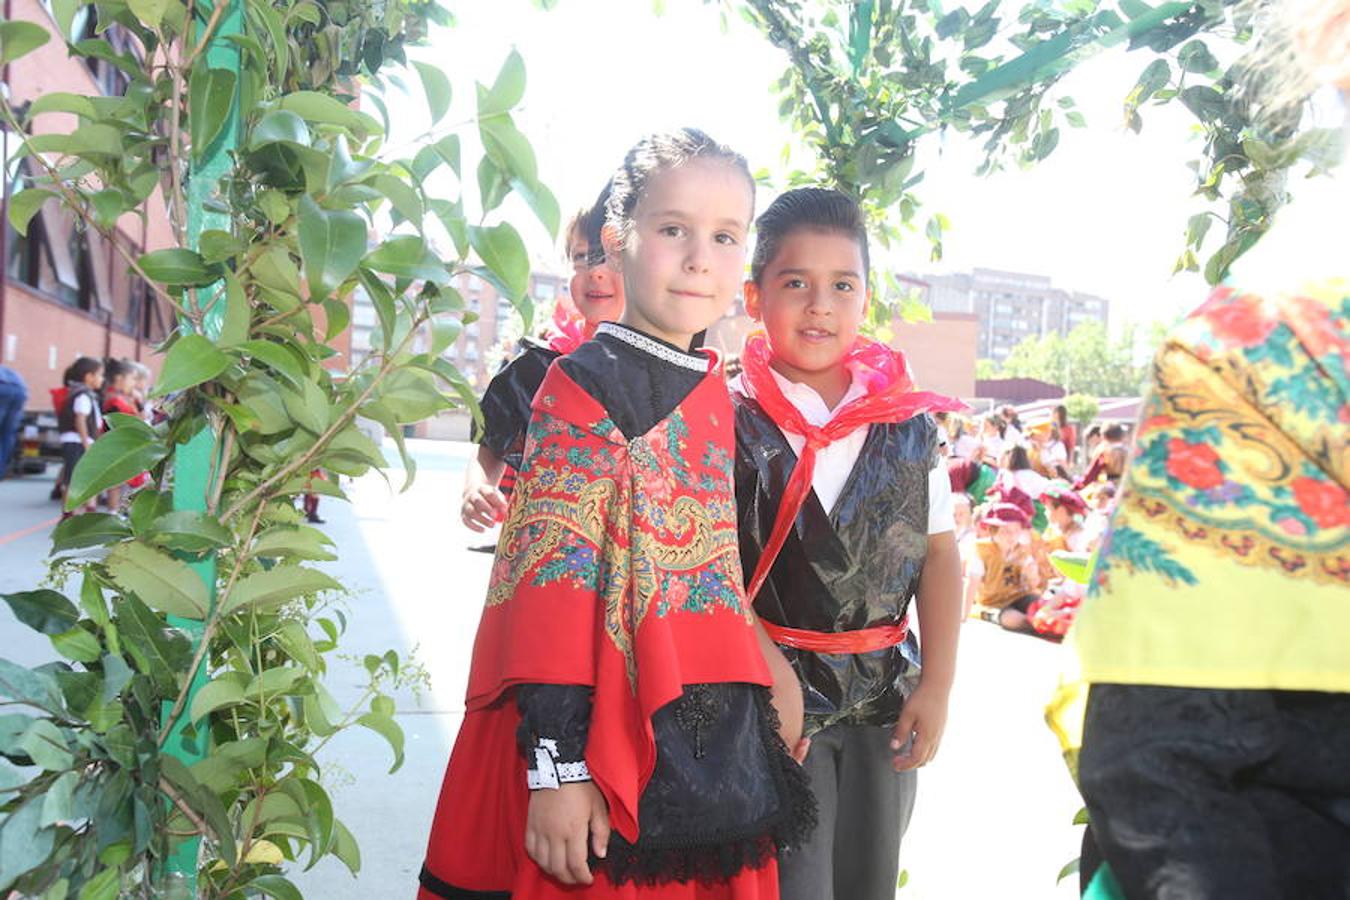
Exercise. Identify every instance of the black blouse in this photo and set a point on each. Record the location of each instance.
(506, 403)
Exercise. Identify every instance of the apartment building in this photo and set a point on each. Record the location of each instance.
(1012, 306)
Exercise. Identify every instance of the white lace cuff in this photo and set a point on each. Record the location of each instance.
(547, 772)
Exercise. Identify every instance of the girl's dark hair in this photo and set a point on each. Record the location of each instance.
(83, 366)
(592, 223)
(998, 422)
(1018, 458)
(1114, 432)
(1094, 431)
(654, 154)
(1062, 414)
(114, 369)
(814, 209)
(576, 226)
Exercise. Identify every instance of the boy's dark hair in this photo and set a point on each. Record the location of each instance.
(83, 366)
(576, 225)
(1114, 433)
(654, 154)
(1094, 431)
(815, 209)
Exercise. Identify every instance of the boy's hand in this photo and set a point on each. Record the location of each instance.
(558, 826)
(484, 506)
(924, 717)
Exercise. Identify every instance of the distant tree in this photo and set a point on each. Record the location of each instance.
(1085, 361)
(986, 369)
(1081, 408)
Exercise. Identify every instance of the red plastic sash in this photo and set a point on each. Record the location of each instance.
(865, 640)
(890, 397)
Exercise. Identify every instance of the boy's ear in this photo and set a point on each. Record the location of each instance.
(751, 292)
(609, 239)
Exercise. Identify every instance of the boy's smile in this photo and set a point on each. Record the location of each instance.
(811, 299)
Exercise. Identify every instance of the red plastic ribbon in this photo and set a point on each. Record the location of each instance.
(569, 330)
(890, 397)
(864, 640)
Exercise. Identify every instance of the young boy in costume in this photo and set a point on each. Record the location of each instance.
(846, 518)
(596, 296)
(619, 740)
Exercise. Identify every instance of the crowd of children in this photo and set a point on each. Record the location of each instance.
(90, 390)
(1024, 517)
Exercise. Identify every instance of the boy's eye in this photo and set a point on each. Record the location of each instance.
(843, 286)
(794, 283)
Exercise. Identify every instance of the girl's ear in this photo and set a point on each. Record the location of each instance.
(751, 291)
(609, 239)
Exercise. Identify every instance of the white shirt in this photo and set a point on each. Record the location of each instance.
(82, 407)
(1055, 452)
(1029, 481)
(966, 446)
(835, 462)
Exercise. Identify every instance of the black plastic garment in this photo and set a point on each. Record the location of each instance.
(506, 402)
(725, 793)
(856, 566)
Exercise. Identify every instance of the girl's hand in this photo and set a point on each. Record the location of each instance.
(484, 506)
(558, 826)
(923, 718)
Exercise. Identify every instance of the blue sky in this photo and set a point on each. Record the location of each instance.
(1105, 214)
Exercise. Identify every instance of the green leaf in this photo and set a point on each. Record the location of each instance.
(96, 140)
(508, 148)
(1154, 79)
(57, 805)
(116, 457)
(191, 360)
(1070, 868)
(325, 110)
(275, 886)
(160, 581)
(189, 531)
(437, 88)
(205, 802)
(211, 99)
(24, 205)
(24, 843)
(62, 101)
(280, 127)
(1081, 817)
(30, 687)
(275, 357)
(19, 39)
(149, 12)
(238, 315)
(297, 541)
(44, 742)
(331, 245)
(503, 252)
(1195, 57)
(337, 316)
(407, 256)
(276, 680)
(106, 885)
(261, 396)
(177, 265)
(506, 91)
(385, 726)
(161, 652)
(410, 396)
(447, 148)
(267, 591)
(226, 689)
(492, 186)
(403, 197)
(77, 644)
(345, 847)
(43, 611)
(541, 200)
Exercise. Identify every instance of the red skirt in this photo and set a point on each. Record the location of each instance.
(478, 841)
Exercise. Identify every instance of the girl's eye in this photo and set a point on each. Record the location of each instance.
(671, 230)
(726, 239)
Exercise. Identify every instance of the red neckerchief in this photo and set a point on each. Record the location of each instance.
(569, 330)
(890, 397)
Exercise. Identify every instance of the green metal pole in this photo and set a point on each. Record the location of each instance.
(196, 460)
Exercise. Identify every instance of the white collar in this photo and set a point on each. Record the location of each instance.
(650, 345)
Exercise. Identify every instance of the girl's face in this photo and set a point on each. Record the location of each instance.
(811, 299)
(94, 379)
(1060, 516)
(1007, 537)
(597, 290)
(961, 513)
(685, 253)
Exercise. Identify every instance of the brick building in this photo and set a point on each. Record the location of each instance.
(66, 292)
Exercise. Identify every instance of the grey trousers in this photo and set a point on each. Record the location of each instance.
(865, 806)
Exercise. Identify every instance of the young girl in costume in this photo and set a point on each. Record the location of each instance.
(119, 377)
(845, 510)
(596, 296)
(79, 418)
(1007, 573)
(619, 740)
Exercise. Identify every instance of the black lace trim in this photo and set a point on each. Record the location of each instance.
(450, 892)
(719, 855)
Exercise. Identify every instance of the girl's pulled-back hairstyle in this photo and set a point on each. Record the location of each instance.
(654, 154)
(592, 223)
(813, 209)
(85, 365)
(114, 369)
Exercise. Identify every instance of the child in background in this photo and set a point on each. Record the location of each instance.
(619, 740)
(845, 510)
(1006, 575)
(596, 296)
(1067, 511)
(79, 418)
(117, 398)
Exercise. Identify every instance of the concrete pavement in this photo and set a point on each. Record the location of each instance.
(994, 810)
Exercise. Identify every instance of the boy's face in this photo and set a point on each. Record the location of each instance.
(686, 251)
(811, 299)
(597, 290)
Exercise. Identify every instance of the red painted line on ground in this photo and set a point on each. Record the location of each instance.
(24, 532)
